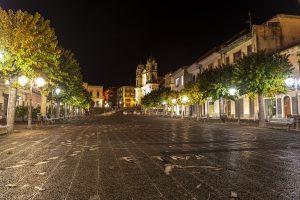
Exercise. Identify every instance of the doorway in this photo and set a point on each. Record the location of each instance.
(287, 106)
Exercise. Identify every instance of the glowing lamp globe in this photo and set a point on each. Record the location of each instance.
(57, 91)
(40, 82)
(22, 80)
(7, 82)
(289, 82)
(185, 99)
(232, 91)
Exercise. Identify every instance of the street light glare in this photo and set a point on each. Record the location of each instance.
(173, 101)
(57, 91)
(22, 80)
(185, 99)
(7, 82)
(289, 82)
(164, 103)
(40, 82)
(1, 56)
(232, 91)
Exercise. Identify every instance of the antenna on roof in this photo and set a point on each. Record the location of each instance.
(250, 20)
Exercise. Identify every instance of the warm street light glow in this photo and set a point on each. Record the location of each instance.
(1, 56)
(232, 91)
(173, 101)
(22, 80)
(57, 91)
(164, 103)
(40, 82)
(7, 82)
(185, 99)
(289, 82)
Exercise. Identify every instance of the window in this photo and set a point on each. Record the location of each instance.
(219, 62)
(182, 81)
(98, 94)
(237, 55)
(177, 82)
(249, 49)
(227, 60)
(194, 78)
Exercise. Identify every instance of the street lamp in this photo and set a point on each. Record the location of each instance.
(294, 82)
(40, 82)
(22, 80)
(7, 82)
(185, 99)
(57, 91)
(234, 93)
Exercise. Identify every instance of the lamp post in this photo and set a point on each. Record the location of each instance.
(57, 91)
(234, 93)
(294, 82)
(184, 100)
(39, 83)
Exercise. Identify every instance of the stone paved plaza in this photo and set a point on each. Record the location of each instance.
(136, 157)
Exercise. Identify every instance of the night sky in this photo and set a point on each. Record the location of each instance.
(111, 37)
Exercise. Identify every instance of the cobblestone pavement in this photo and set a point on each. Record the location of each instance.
(135, 157)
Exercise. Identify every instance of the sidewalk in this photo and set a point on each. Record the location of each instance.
(243, 122)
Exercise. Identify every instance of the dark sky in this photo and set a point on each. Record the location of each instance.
(111, 37)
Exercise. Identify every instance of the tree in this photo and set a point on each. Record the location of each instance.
(194, 94)
(262, 74)
(215, 82)
(156, 98)
(29, 47)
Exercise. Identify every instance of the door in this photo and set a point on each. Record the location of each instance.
(287, 106)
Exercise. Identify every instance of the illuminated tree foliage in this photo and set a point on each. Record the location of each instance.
(214, 82)
(29, 47)
(71, 83)
(262, 74)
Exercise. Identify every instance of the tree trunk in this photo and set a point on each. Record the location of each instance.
(57, 109)
(220, 107)
(261, 113)
(197, 111)
(11, 109)
(237, 102)
(44, 106)
(207, 113)
(66, 110)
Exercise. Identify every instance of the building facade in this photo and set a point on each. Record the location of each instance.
(279, 34)
(96, 92)
(146, 79)
(126, 97)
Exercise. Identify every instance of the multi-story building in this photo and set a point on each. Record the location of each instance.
(126, 96)
(280, 33)
(96, 92)
(146, 79)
